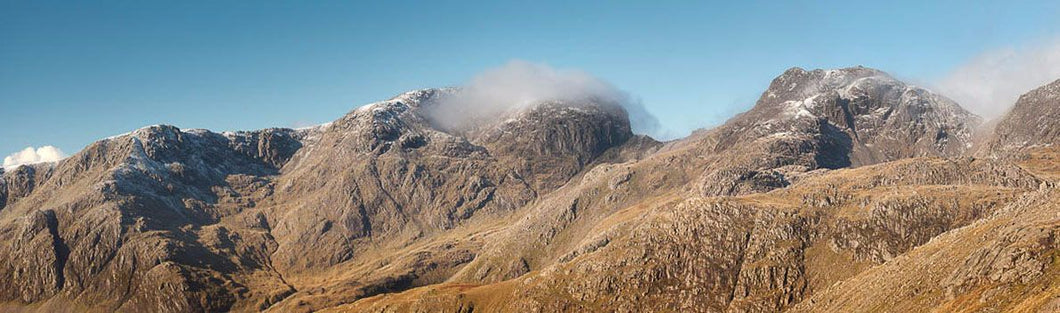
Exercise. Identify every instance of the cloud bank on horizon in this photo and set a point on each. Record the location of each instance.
(521, 84)
(29, 155)
(992, 82)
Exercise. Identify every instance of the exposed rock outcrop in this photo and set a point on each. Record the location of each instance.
(1030, 122)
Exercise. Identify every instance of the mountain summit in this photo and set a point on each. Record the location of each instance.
(1032, 121)
(828, 119)
(883, 118)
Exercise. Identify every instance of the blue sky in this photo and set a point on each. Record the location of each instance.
(71, 73)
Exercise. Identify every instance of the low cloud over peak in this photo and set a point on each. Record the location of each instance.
(519, 84)
(992, 82)
(29, 155)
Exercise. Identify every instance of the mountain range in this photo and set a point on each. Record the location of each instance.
(842, 190)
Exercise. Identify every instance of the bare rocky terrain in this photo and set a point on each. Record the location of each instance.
(841, 190)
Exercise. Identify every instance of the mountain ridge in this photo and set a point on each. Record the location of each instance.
(845, 167)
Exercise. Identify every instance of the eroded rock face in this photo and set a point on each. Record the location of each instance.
(1000, 263)
(19, 182)
(1031, 122)
(829, 119)
(1018, 256)
(116, 227)
(552, 142)
(883, 119)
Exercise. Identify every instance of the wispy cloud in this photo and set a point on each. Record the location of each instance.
(519, 84)
(29, 155)
(991, 82)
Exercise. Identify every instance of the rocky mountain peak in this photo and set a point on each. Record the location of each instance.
(271, 147)
(555, 139)
(838, 118)
(605, 123)
(1031, 121)
(797, 83)
(796, 93)
(386, 121)
(408, 121)
(885, 119)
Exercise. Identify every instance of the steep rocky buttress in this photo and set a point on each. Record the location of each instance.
(1030, 122)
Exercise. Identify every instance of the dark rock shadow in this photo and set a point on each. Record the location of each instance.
(833, 146)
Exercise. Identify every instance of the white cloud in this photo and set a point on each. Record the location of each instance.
(990, 83)
(32, 156)
(519, 83)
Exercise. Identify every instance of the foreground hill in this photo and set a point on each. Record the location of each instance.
(839, 190)
(862, 228)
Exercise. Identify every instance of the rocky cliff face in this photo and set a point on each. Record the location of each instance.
(829, 119)
(825, 196)
(862, 116)
(1031, 122)
(116, 225)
